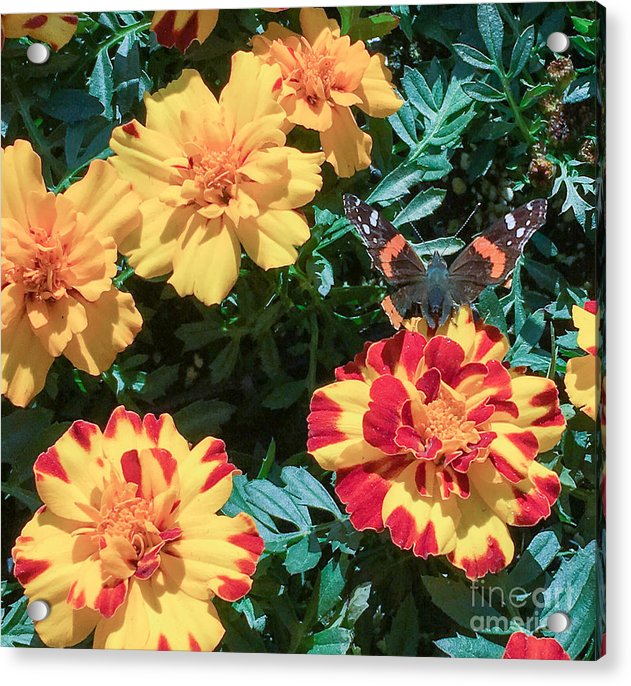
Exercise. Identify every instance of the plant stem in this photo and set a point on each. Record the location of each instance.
(519, 119)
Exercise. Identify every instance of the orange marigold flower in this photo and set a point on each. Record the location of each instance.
(54, 29)
(58, 260)
(436, 440)
(521, 646)
(323, 76)
(180, 28)
(582, 375)
(129, 541)
(215, 175)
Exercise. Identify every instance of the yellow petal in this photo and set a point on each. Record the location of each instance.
(269, 239)
(376, 92)
(108, 203)
(313, 21)
(25, 362)
(262, 80)
(112, 324)
(12, 303)
(587, 324)
(21, 176)
(71, 476)
(483, 543)
(141, 157)
(45, 556)
(206, 261)
(159, 616)
(55, 322)
(54, 29)
(581, 382)
(151, 246)
(180, 28)
(215, 555)
(286, 178)
(336, 435)
(345, 145)
(318, 116)
(188, 93)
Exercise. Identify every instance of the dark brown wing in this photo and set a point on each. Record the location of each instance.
(491, 257)
(389, 251)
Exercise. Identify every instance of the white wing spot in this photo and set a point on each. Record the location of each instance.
(520, 232)
(510, 222)
(528, 222)
(509, 242)
(529, 205)
(374, 218)
(366, 229)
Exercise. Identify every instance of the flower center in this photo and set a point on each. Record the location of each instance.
(314, 74)
(128, 516)
(211, 175)
(43, 276)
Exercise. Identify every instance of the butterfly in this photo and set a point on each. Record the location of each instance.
(433, 291)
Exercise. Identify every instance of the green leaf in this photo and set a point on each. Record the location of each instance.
(422, 205)
(321, 272)
(580, 90)
(358, 602)
(492, 31)
(463, 604)
(449, 245)
(573, 591)
(307, 490)
(100, 83)
(407, 175)
(404, 635)
(474, 57)
(521, 52)
(304, 555)
(330, 588)
(532, 95)
(72, 105)
(463, 646)
(203, 418)
(284, 395)
(335, 640)
(275, 501)
(535, 559)
(491, 310)
(374, 26)
(17, 627)
(482, 92)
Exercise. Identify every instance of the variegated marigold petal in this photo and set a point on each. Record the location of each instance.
(521, 646)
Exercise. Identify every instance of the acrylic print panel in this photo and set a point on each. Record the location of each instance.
(302, 331)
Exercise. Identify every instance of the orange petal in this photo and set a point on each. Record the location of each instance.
(345, 145)
(376, 91)
(21, 176)
(314, 21)
(112, 324)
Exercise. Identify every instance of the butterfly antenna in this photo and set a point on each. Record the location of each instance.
(467, 220)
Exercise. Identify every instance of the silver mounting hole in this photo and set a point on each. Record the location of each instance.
(38, 610)
(38, 53)
(558, 41)
(558, 622)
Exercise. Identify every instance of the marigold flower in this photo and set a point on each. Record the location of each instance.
(436, 440)
(324, 75)
(180, 28)
(129, 541)
(582, 375)
(521, 646)
(54, 29)
(58, 260)
(215, 175)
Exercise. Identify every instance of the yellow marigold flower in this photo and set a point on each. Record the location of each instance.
(323, 76)
(54, 29)
(180, 28)
(58, 260)
(129, 541)
(436, 440)
(215, 175)
(582, 376)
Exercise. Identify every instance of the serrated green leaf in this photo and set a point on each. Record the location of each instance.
(422, 205)
(463, 646)
(307, 490)
(330, 587)
(303, 555)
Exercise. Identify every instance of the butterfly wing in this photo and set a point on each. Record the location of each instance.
(390, 253)
(490, 258)
(393, 256)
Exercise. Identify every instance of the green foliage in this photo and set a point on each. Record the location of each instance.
(476, 118)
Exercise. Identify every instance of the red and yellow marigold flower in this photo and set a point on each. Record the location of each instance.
(582, 376)
(129, 543)
(521, 646)
(58, 260)
(437, 441)
(180, 28)
(324, 75)
(54, 29)
(215, 175)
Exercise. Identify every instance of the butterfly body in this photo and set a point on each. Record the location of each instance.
(435, 290)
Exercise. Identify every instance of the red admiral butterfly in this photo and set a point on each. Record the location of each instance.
(434, 291)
